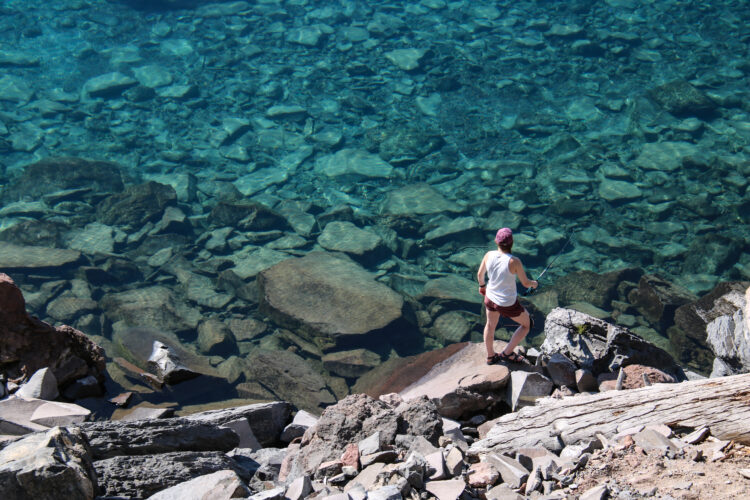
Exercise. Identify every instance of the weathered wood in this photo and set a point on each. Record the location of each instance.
(723, 404)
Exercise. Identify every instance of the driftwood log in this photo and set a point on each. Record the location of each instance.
(723, 404)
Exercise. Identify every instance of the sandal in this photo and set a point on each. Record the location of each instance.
(512, 357)
(494, 359)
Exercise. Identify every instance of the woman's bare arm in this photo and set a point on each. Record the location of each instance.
(516, 267)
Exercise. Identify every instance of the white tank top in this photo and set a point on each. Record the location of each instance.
(501, 286)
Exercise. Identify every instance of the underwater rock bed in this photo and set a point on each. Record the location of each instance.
(170, 158)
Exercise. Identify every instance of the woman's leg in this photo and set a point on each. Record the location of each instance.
(520, 333)
(489, 331)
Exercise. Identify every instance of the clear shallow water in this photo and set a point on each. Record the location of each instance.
(547, 117)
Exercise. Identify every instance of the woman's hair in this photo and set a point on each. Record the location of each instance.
(504, 239)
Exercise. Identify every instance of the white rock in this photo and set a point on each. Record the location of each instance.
(353, 162)
(41, 385)
(446, 490)
(54, 414)
(108, 85)
(406, 59)
(221, 485)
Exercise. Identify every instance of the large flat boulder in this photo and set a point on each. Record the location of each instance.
(48, 466)
(147, 437)
(463, 383)
(334, 302)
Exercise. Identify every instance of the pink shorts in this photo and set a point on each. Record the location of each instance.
(513, 311)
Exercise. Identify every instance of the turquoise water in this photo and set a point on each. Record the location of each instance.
(425, 124)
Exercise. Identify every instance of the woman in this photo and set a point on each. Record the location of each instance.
(501, 298)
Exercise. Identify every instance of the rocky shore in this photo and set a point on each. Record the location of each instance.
(457, 428)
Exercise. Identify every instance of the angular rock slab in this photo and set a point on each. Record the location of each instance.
(146, 437)
(15, 416)
(332, 300)
(220, 485)
(267, 420)
(48, 466)
(54, 414)
(526, 387)
(143, 476)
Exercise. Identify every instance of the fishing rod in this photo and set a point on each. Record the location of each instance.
(530, 290)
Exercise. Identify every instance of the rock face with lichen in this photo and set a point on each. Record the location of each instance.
(27, 344)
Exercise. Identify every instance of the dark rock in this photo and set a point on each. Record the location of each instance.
(142, 476)
(267, 420)
(688, 335)
(657, 299)
(48, 466)
(215, 338)
(561, 370)
(601, 347)
(350, 364)
(167, 365)
(247, 216)
(136, 205)
(87, 387)
(680, 98)
(147, 437)
(27, 344)
(712, 253)
(420, 417)
(56, 174)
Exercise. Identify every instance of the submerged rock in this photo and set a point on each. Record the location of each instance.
(168, 366)
(334, 301)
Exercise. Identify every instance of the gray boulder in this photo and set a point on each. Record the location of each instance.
(267, 420)
(48, 466)
(144, 475)
(601, 347)
(147, 437)
(352, 419)
(15, 416)
(729, 337)
(692, 319)
(167, 365)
